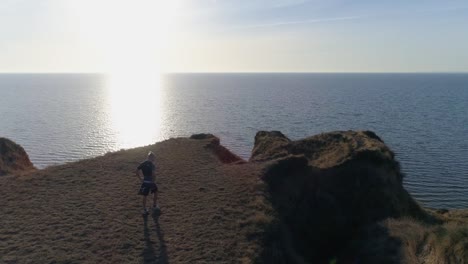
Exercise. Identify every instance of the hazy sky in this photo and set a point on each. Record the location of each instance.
(233, 36)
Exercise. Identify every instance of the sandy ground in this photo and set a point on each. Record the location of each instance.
(89, 211)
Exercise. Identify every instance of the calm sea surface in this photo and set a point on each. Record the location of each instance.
(422, 117)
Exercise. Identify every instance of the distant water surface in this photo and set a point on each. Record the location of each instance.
(423, 117)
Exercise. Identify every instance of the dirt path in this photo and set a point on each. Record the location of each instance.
(88, 211)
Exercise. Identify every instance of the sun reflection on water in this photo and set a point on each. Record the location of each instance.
(135, 108)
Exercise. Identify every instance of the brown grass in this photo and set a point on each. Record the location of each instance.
(89, 212)
(212, 212)
(445, 243)
(407, 240)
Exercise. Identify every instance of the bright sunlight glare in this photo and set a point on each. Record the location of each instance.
(131, 37)
(135, 109)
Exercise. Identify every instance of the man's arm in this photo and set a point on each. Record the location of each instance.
(154, 174)
(137, 173)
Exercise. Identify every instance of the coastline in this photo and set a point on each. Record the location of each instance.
(215, 208)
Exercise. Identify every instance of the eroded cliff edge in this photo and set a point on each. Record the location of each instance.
(332, 198)
(13, 158)
(339, 197)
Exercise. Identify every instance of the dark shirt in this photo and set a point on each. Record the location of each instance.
(147, 167)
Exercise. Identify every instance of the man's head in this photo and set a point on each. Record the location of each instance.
(151, 156)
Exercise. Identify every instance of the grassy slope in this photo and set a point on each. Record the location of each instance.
(88, 211)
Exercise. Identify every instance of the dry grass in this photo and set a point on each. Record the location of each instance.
(212, 212)
(407, 240)
(89, 212)
(423, 243)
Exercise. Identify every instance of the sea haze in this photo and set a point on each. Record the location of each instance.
(423, 117)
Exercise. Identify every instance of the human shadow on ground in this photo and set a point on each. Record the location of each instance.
(149, 254)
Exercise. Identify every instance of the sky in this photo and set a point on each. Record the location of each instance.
(233, 36)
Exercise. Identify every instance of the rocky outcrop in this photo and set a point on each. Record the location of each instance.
(327, 187)
(13, 158)
(270, 145)
(223, 154)
(323, 150)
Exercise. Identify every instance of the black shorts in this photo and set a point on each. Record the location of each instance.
(146, 187)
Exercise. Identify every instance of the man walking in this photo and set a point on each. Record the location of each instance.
(148, 168)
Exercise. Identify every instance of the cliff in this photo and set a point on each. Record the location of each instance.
(339, 197)
(332, 198)
(13, 158)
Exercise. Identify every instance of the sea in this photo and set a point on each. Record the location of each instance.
(60, 118)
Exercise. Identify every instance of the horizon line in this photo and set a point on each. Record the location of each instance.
(254, 72)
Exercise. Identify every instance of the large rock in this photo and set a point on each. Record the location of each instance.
(323, 150)
(326, 187)
(13, 158)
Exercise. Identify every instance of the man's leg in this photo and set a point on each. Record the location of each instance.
(155, 199)
(144, 201)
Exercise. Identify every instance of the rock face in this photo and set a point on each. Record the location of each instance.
(326, 187)
(13, 158)
(270, 145)
(323, 150)
(224, 155)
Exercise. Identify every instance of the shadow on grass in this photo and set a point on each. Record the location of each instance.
(373, 244)
(149, 254)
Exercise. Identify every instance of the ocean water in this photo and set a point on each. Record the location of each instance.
(59, 118)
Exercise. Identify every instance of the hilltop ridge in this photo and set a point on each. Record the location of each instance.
(336, 196)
